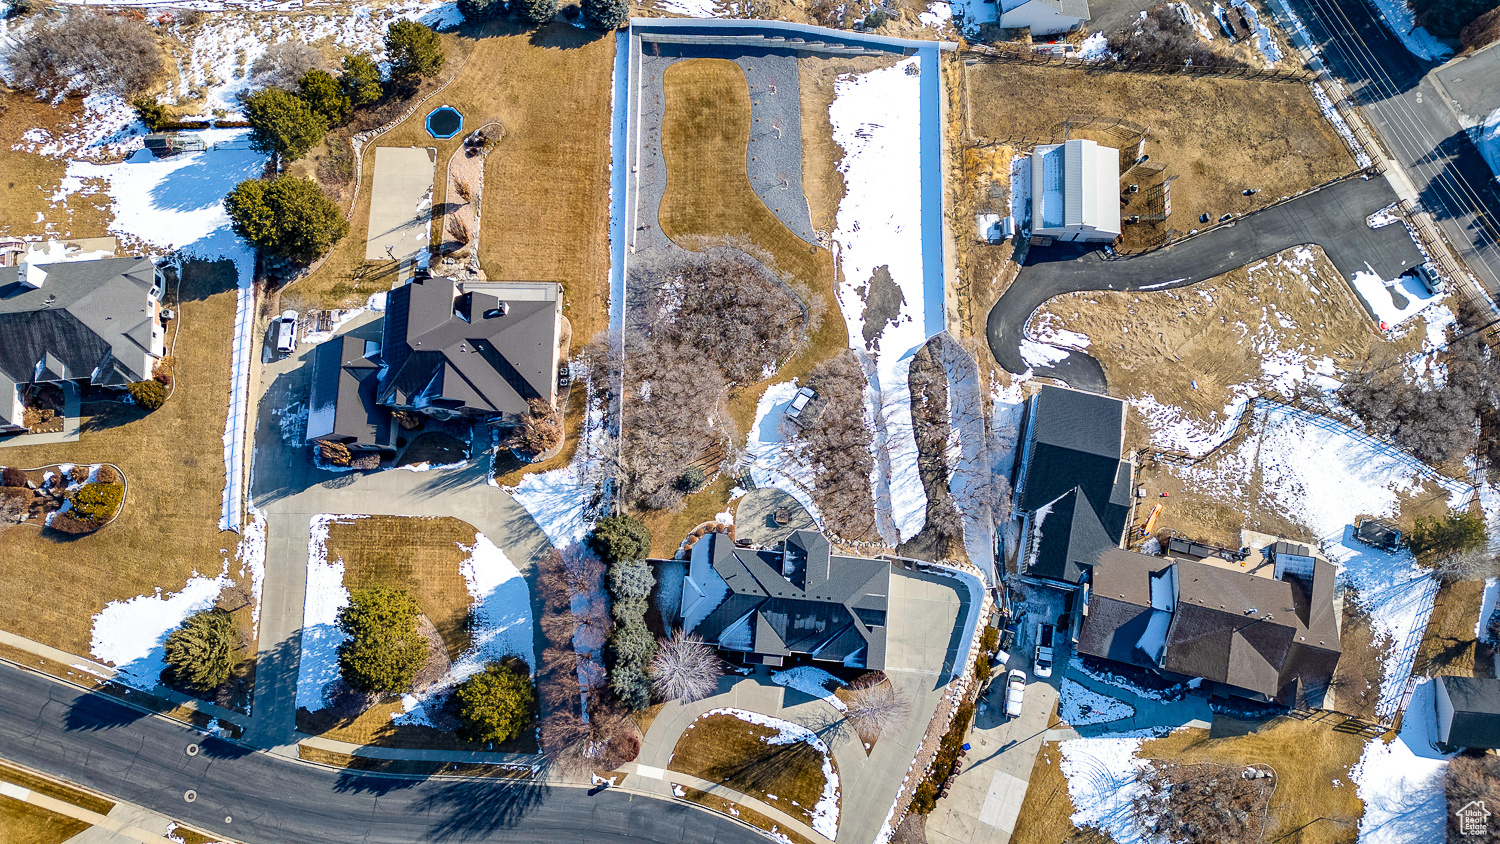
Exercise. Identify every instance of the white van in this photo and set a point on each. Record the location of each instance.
(286, 333)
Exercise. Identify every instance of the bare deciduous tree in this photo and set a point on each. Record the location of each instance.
(83, 51)
(875, 705)
(282, 64)
(685, 669)
(540, 430)
(459, 230)
(1474, 564)
(837, 434)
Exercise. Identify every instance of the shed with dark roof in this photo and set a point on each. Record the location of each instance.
(1468, 711)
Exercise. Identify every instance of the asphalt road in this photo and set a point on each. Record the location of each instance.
(1417, 124)
(99, 743)
(1334, 218)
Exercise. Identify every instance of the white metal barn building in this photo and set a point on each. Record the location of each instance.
(1044, 17)
(1075, 191)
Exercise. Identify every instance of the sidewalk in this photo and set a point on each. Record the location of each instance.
(656, 782)
(125, 823)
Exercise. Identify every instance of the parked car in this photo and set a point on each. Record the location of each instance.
(1043, 663)
(800, 402)
(1015, 689)
(1428, 274)
(286, 333)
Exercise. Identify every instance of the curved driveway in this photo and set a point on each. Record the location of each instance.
(1332, 217)
(104, 745)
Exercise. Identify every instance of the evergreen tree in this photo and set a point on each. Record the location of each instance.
(606, 14)
(283, 125)
(325, 96)
(415, 51)
(478, 11)
(537, 11)
(200, 651)
(495, 704)
(620, 537)
(360, 80)
(384, 651)
(286, 217)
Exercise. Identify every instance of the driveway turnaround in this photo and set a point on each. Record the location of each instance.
(244, 795)
(400, 203)
(1332, 217)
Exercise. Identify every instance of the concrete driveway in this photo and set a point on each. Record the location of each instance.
(921, 646)
(290, 490)
(1333, 218)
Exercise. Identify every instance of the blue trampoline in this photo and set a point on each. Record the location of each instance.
(444, 122)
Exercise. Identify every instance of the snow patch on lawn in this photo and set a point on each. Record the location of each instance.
(1081, 706)
(321, 636)
(500, 606)
(877, 118)
(774, 462)
(252, 557)
(131, 635)
(811, 681)
(563, 501)
(1102, 783)
(825, 816)
(1392, 302)
(1402, 783)
(1398, 15)
(1331, 112)
(1487, 138)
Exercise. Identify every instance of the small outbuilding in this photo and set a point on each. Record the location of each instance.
(1075, 191)
(171, 143)
(1468, 711)
(1042, 17)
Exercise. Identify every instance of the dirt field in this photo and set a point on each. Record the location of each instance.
(174, 462)
(1217, 136)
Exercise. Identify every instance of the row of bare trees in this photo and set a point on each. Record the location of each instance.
(836, 432)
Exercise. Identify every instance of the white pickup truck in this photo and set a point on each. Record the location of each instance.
(1043, 663)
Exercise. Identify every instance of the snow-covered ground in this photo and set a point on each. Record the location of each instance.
(1395, 301)
(878, 119)
(321, 636)
(811, 681)
(774, 462)
(1330, 111)
(1399, 17)
(1265, 42)
(1486, 608)
(825, 816)
(1118, 681)
(132, 634)
(971, 461)
(1487, 138)
(500, 609)
(1402, 783)
(1102, 783)
(1080, 706)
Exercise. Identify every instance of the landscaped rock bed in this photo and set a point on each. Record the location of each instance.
(63, 498)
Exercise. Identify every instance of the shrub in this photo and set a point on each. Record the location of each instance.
(152, 113)
(286, 217)
(200, 651)
(107, 474)
(475, 11)
(78, 474)
(620, 537)
(81, 51)
(838, 445)
(13, 476)
(982, 668)
(19, 9)
(989, 640)
(384, 651)
(1163, 38)
(360, 80)
(283, 63)
(324, 96)
(877, 18)
(536, 11)
(1456, 533)
(631, 579)
(495, 704)
(414, 50)
(96, 503)
(1482, 31)
(148, 394)
(283, 125)
(336, 454)
(692, 480)
(606, 14)
(1447, 18)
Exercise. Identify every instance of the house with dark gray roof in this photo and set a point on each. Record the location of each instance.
(480, 349)
(798, 602)
(92, 322)
(1468, 711)
(1247, 635)
(1073, 487)
(342, 409)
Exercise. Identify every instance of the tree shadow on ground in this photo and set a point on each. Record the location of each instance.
(469, 809)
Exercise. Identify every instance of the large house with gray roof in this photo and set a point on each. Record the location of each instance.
(481, 350)
(1073, 487)
(90, 322)
(799, 602)
(1247, 635)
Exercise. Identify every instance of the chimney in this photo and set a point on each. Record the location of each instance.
(31, 275)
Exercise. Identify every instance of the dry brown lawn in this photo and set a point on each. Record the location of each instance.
(27, 182)
(1046, 809)
(23, 823)
(1309, 758)
(1219, 136)
(727, 750)
(420, 556)
(173, 460)
(56, 790)
(405, 767)
(723, 806)
(1448, 645)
